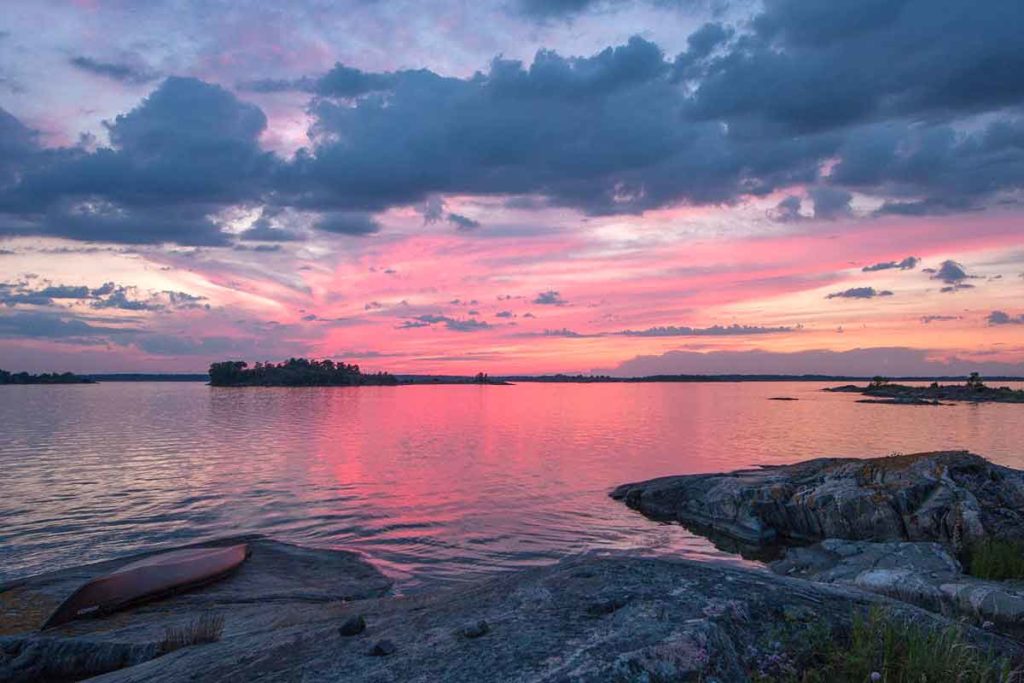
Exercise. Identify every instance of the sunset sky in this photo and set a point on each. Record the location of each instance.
(513, 186)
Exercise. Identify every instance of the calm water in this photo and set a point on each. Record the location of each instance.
(434, 483)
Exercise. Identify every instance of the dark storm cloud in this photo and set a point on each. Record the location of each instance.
(348, 223)
(263, 232)
(107, 296)
(555, 9)
(341, 81)
(26, 292)
(184, 299)
(12, 297)
(908, 263)
(811, 65)
(859, 293)
(787, 210)
(257, 248)
(264, 229)
(951, 273)
(119, 71)
(830, 203)
(565, 332)
(104, 222)
(568, 128)
(31, 325)
(546, 10)
(550, 298)
(121, 298)
(187, 150)
(66, 292)
(873, 90)
(954, 275)
(18, 146)
(1004, 318)
(713, 331)
(933, 168)
(700, 44)
(454, 324)
(461, 222)
(534, 129)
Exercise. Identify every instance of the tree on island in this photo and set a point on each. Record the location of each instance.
(44, 378)
(294, 372)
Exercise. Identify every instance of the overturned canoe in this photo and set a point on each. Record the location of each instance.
(148, 579)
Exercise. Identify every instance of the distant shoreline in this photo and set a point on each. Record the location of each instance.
(404, 380)
(882, 390)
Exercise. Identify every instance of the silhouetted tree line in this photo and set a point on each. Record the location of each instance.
(44, 378)
(294, 372)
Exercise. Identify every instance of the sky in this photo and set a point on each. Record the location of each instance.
(513, 186)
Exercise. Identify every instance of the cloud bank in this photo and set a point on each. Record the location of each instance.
(744, 111)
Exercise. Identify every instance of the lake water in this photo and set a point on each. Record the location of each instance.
(434, 483)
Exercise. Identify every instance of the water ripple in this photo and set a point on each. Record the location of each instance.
(436, 484)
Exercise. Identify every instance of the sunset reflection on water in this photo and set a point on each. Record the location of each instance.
(434, 483)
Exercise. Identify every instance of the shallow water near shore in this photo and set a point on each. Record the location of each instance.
(436, 484)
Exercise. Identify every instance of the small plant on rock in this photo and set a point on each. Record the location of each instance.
(995, 559)
(207, 628)
(886, 648)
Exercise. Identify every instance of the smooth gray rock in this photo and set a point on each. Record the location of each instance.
(475, 630)
(278, 584)
(683, 620)
(907, 571)
(1000, 603)
(951, 497)
(923, 574)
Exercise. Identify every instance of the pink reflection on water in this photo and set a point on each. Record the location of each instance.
(434, 483)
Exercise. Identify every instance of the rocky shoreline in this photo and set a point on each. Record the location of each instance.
(950, 497)
(900, 526)
(881, 536)
(935, 394)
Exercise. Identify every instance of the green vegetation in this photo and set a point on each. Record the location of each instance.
(207, 628)
(882, 647)
(995, 559)
(45, 378)
(294, 372)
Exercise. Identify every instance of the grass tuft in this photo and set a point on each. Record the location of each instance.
(207, 628)
(886, 649)
(996, 559)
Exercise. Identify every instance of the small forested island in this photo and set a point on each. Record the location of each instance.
(294, 372)
(44, 378)
(974, 389)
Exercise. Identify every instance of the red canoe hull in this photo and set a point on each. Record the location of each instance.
(148, 579)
